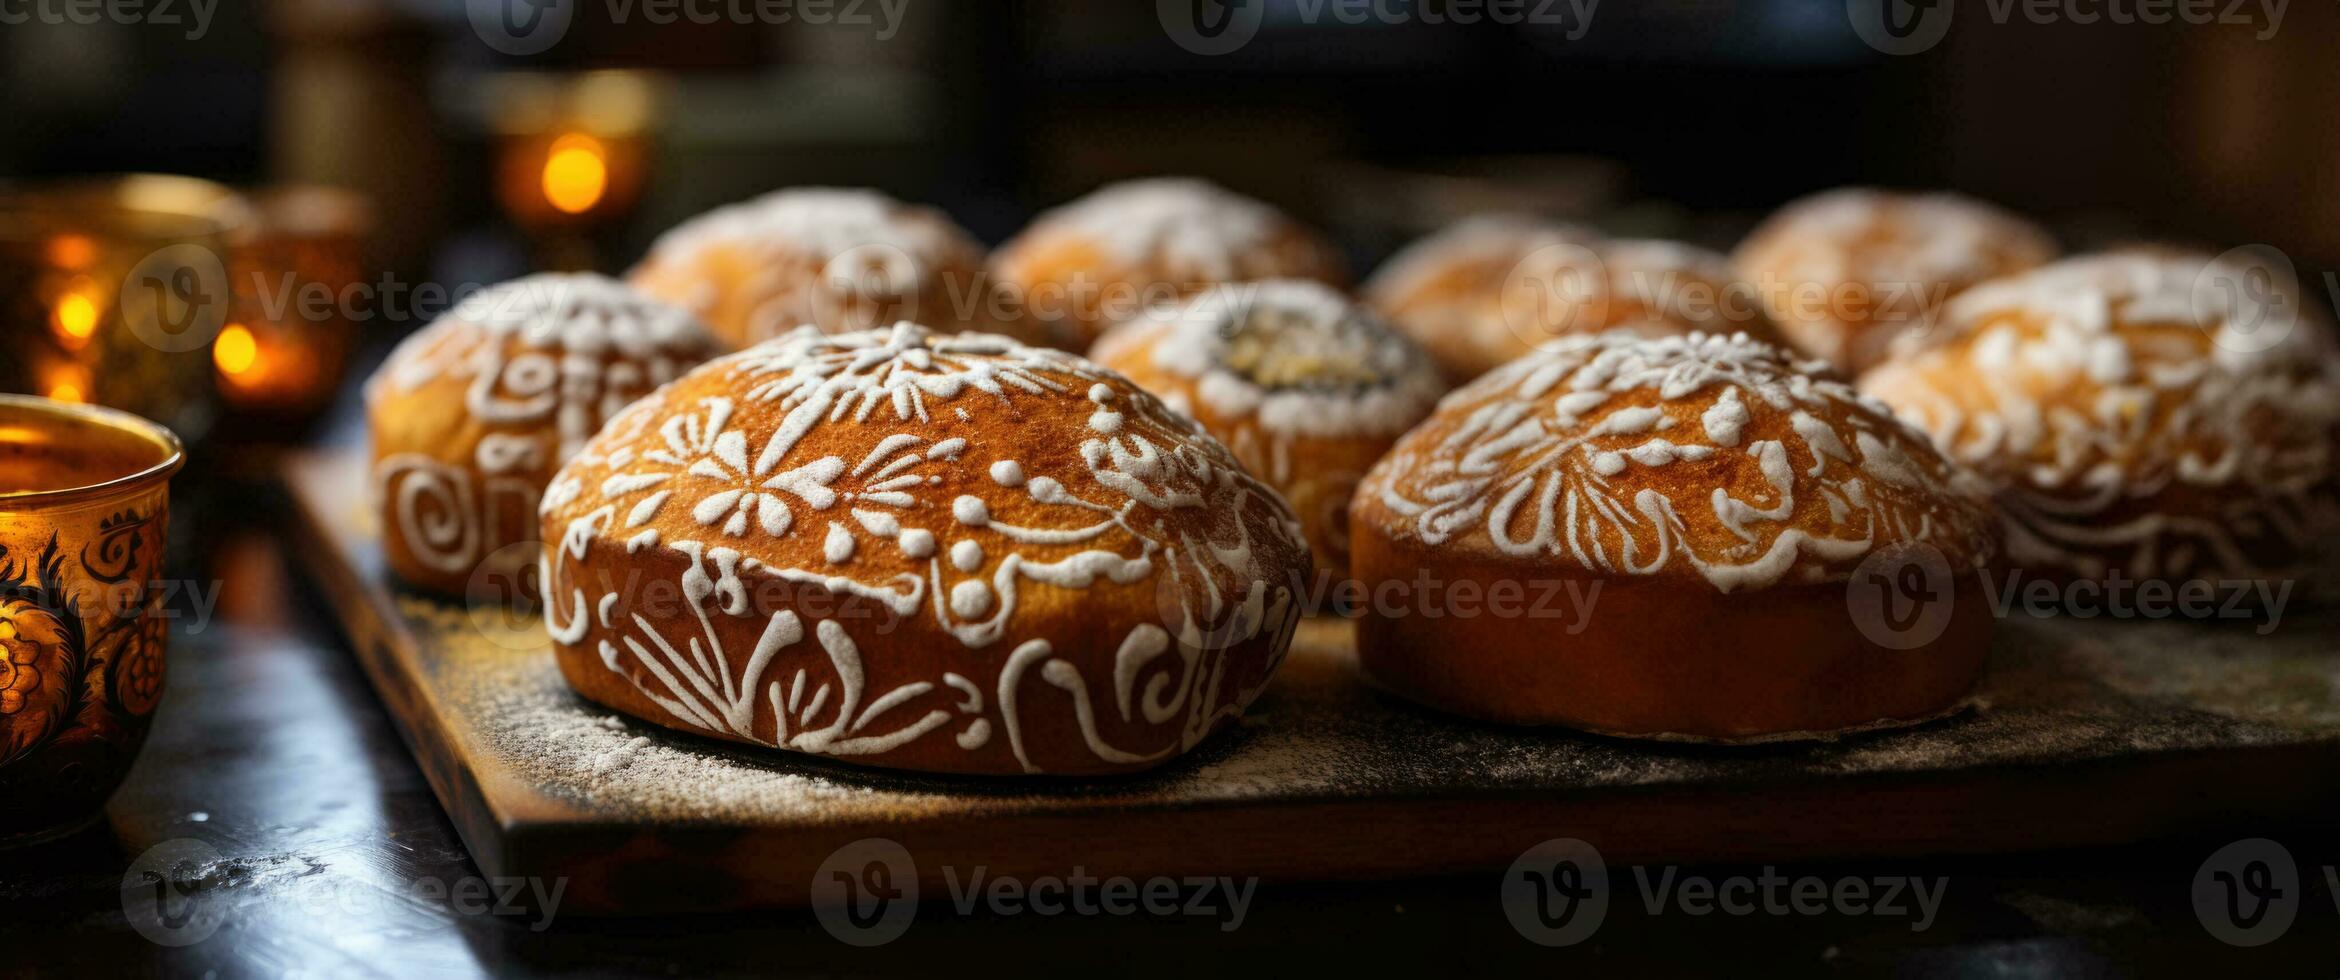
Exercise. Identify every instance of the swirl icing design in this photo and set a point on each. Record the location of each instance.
(1703, 455)
(2129, 422)
(854, 465)
(538, 363)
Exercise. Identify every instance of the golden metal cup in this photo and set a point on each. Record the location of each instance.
(84, 500)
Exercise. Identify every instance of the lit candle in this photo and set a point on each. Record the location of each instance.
(281, 360)
(111, 289)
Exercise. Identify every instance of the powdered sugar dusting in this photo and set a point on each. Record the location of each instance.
(1188, 223)
(2056, 691)
(825, 222)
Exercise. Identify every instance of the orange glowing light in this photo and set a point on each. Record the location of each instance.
(236, 350)
(75, 318)
(72, 251)
(67, 382)
(576, 173)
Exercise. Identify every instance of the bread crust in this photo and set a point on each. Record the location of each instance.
(1845, 272)
(1656, 660)
(838, 259)
(1085, 267)
(1489, 289)
(1715, 517)
(948, 553)
(470, 416)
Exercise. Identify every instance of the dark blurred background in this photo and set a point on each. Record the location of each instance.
(1682, 117)
(399, 153)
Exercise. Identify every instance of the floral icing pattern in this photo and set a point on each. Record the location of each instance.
(1718, 457)
(871, 467)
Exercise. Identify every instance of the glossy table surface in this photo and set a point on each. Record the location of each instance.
(322, 852)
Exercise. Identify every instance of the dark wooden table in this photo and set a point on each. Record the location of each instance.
(332, 858)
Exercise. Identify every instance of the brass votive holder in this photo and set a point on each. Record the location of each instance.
(281, 355)
(112, 290)
(84, 501)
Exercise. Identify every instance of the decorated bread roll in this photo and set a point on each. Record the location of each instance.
(471, 415)
(1105, 258)
(2139, 416)
(1494, 287)
(1685, 538)
(1307, 388)
(1845, 272)
(834, 258)
(950, 553)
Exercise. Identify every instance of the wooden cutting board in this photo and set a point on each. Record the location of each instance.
(2094, 732)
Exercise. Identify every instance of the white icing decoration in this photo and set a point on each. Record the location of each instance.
(544, 362)
(1544, 477)
(1458, 290)
(1191, 227)
(1296, 356)
(825, 223)
(702, 461)
(1903, 254)
(2095, 385)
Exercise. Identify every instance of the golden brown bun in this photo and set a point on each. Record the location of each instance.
(833, 258)
(2135, 418)
(1307, 388)
(1845, 272)
(1104, 259)
(949, 553)
(1491, 288)
(471, 415)
(1733, 511)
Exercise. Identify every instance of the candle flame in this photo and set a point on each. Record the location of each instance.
(68, 382)
(236, 350)
(576, 173)
(75, 318)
